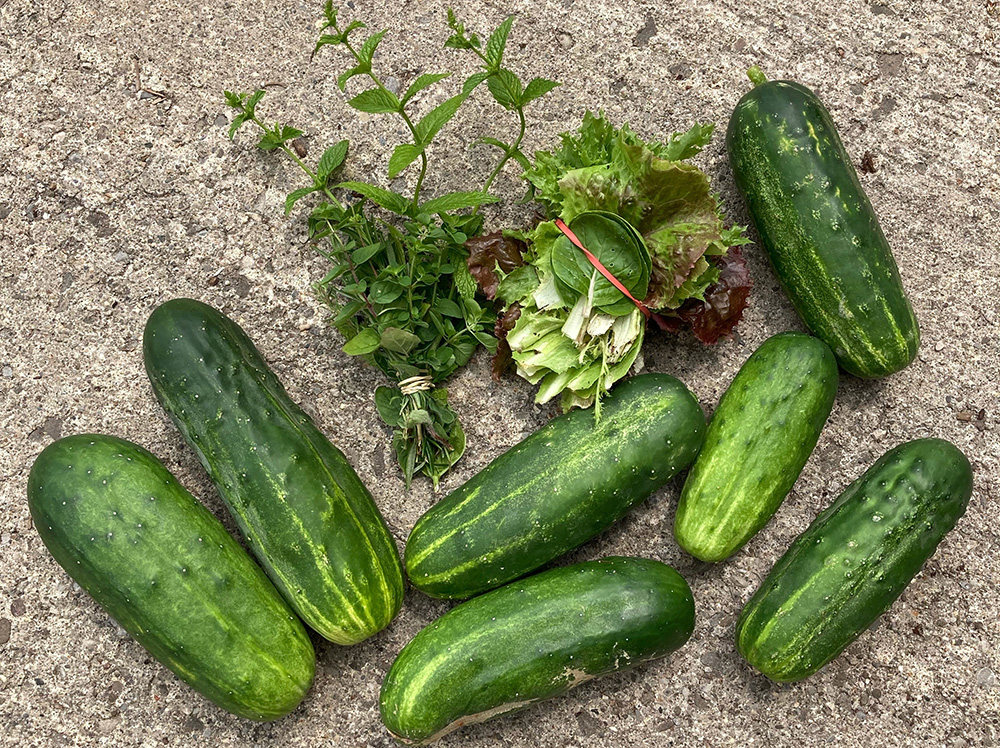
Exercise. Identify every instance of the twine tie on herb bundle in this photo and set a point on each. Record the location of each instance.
(413, 385)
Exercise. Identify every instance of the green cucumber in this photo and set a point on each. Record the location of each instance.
(855, 559)
(306, 515)
(166, 569)
(557, 489)
(818, 227)
(533, 640)
(757, 443)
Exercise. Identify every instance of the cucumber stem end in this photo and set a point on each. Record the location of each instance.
(756, 75)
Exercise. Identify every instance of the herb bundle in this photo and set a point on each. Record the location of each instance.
(398, 287)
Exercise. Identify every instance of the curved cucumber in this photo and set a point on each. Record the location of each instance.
(855, 559)
(162, 566)
(555, 490)
(532, 640)
(306, 515)
(757, 443)
(818, 227)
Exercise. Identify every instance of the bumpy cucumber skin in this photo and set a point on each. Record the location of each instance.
(555, 490)
(855, 559)
(532, 640)
(166, 569)
(819, 228)
(306, 515)
(757, 443)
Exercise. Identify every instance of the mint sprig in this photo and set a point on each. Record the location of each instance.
(398, 287)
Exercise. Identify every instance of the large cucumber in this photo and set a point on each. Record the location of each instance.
(855, 559)
(818, 227)
(162, 566)
(555, 490)
(757, 443)
(532, 640)
(306, 515)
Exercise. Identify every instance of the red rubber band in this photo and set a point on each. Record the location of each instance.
(600, 268)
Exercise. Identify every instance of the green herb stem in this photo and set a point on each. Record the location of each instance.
(508, 153)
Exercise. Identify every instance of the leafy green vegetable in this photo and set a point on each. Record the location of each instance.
(653, 222)
(398, 286)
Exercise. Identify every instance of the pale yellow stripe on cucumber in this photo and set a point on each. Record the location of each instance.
(539, 477)
(321, 555)
(803, 285)
(523, 540)
(816, 579)
(839, 324)
(236, 631)
(291, 588)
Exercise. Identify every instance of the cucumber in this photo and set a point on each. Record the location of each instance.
(757, 443)
(532, 640)
(306, 515)
(555, 490)
(855, 559)
(818, 227)
(166, 569)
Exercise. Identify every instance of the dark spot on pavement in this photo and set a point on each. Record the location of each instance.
(680, 70)
(647, 32)
(17, 607)
(240, 284)
(889, 65)
(4, 630)
(101, 222)
(589, 724)
(193, 724)
(868, 163)
(888, 105)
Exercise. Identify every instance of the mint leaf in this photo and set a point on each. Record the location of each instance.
(327, 40)
(473, 81)
(506, 88)
(425, 80)
(536, 88)
(389, 200)
(364, 342)
(402, 156)
(330, 13)
(457, 201)
(491, 141)
(367, 50)
(399, 341)
(375, 101)
(432, 122)
(497, 43)
(361, 69)
(295, 196)
(236, 124)
(272, 139)
(331, 160)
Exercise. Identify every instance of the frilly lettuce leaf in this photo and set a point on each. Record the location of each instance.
(575, 350)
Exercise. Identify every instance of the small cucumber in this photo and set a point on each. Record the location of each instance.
(166, 569)
(757, 443)
(855, 559)
(555, 490)
(533, 640)
(306, 515)
(818, 227)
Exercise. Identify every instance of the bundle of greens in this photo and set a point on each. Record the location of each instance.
(650, 221)
(399, 288)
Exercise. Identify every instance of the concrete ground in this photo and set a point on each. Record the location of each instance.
(119, 189)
